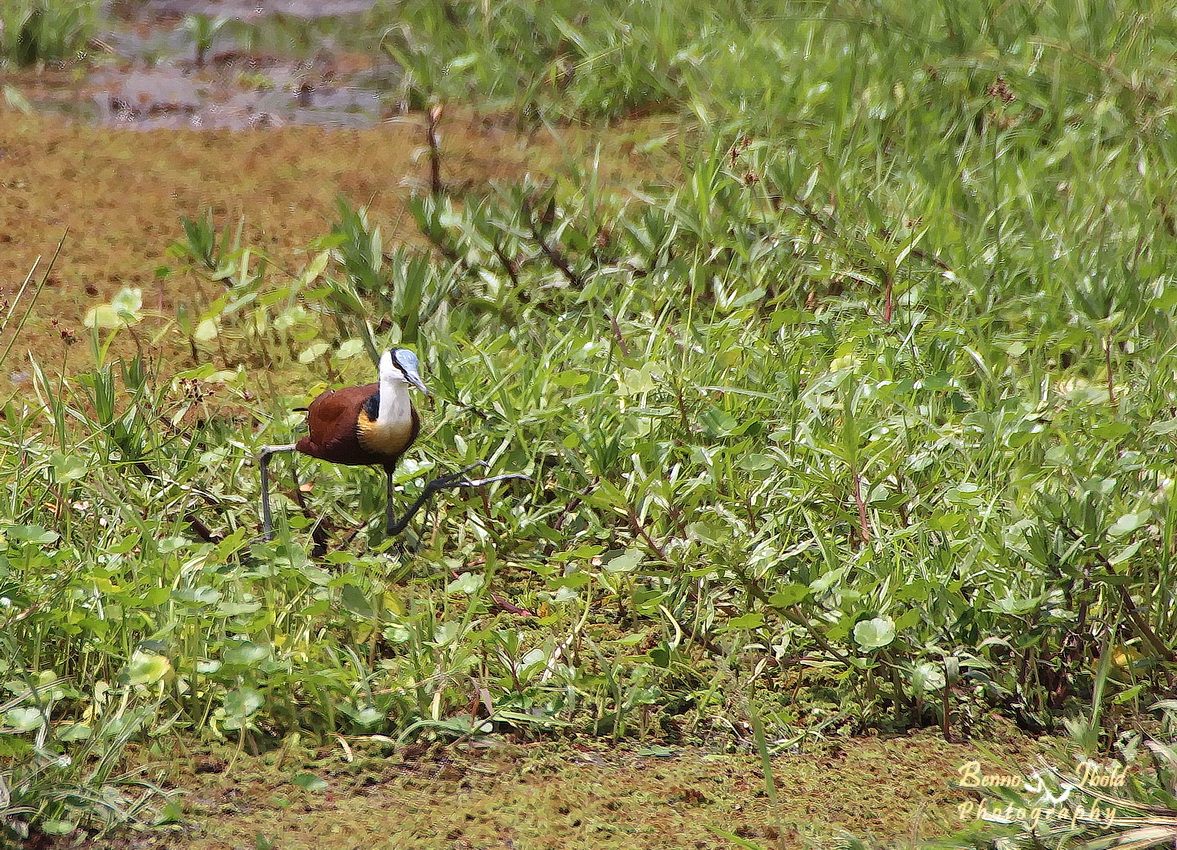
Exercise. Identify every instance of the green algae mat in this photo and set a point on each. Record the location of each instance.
(893, 791)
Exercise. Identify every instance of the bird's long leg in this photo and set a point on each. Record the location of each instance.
(263, 461)
(392, 527)
(390, 522)
(455, 479)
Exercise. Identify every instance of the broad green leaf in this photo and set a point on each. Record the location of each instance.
(23, 719)
(1126, 553)
(369, 717)
(34, 534)
(573, 579)
(638, 381)
(147, 668)
(310, 782)
(241, 703)
(354, 600)
(908, 618)
(708, 532)
(568, 379)
(168, 545)
(1111, 430)
(718, 423)
(827, 580)
(1168, 426)
(69, 732)
(238, 609)
(874, 633)
(1014, 605)
(247, 654)
(1129, 695)
(198, 595)
(753, 620)
(579, 553)
(626, 562)
(757, 463)
(313, 352)
(467, 583)
(788, 595)
(1129, 523)
(68, 467)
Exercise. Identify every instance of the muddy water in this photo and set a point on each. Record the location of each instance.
(247, 8)
(270, 63)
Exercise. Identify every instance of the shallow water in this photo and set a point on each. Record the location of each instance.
(270, 63)
(155, 9)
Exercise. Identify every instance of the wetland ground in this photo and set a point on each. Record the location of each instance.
(114, 153)
(118, 194)
(888, 791)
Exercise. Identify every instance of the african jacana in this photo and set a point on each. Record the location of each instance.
(368, 425)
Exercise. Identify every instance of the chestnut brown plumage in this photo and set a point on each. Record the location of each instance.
(369, 425)
(328, 441)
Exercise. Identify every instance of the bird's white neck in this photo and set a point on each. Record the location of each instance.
(395, 405)
(392, 431)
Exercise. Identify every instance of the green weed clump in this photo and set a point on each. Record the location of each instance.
(1083, 796)
(787, 67)
(556, 60)
(36, 31)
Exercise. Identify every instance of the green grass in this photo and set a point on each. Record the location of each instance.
(876, 397)
(35, 32)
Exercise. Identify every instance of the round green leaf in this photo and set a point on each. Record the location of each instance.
(468, 583)
(1129, 523)
(23, 719)
(874, 633)
(243, 702)
(247, 654)
(147, 668)
(68, 467)
(626, 562)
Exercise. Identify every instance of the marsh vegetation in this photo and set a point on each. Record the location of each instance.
(837, 340)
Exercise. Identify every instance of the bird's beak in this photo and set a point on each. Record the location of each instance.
(416, 381)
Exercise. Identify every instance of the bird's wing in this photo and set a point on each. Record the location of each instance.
(332, 420)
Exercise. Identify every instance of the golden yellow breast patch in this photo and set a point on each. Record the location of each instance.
(390, 439)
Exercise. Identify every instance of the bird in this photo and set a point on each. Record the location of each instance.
(367, 425)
